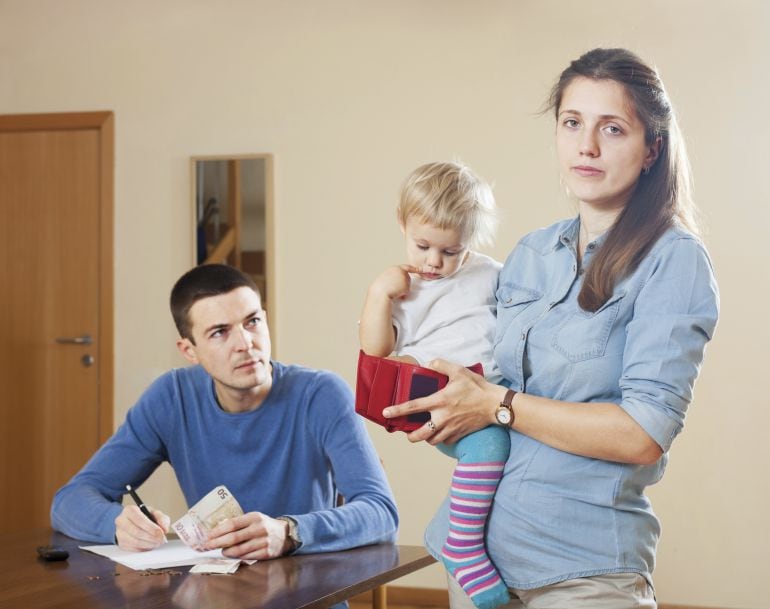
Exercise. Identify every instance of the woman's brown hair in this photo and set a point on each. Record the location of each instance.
(662, 196)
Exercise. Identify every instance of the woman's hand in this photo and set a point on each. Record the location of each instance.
(466, 404)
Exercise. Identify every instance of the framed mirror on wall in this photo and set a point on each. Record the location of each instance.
(233, 219)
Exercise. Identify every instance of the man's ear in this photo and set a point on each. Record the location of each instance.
(187, 349)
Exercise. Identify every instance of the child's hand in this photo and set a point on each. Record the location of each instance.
(395, 281)
(375, 330)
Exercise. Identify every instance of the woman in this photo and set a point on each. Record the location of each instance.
(602, 324)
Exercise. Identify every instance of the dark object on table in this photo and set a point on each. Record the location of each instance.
(52, 553)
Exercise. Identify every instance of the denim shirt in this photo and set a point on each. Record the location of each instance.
(557, 515)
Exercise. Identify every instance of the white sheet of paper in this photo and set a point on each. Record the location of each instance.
(171, 554)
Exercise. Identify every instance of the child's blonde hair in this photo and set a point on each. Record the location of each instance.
(450, 195)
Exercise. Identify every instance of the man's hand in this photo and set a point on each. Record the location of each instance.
(137, 533)
(251, 536)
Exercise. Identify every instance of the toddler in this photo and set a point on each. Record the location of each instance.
(441, 303)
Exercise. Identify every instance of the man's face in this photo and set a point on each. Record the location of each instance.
(232, 343)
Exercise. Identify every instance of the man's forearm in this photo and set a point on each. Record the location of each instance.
(365, 521)
(82, 512)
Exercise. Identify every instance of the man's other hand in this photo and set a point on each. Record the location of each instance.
(252, 536)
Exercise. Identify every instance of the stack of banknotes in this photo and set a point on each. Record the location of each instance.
(193, 528)
(218, 505)
(221, 566)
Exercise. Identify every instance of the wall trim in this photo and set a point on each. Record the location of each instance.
(436, 597)
(402, 595)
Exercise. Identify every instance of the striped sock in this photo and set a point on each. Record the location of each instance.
(464, 554)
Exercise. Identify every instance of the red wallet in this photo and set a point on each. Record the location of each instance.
(382, 382)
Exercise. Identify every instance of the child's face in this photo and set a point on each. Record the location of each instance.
(436, 252)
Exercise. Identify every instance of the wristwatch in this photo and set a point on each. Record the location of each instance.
(504, 413)
(293, 533)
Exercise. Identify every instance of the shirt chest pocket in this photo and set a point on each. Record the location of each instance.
(512, 301)
(584, 335)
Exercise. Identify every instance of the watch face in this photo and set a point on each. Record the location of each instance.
(503, 416)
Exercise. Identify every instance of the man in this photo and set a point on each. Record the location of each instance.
(283, 439)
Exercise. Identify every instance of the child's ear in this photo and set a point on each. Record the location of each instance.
(401, 224)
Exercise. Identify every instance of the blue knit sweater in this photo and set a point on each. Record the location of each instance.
(277, 459)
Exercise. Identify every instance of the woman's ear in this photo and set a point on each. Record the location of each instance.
(653, 151)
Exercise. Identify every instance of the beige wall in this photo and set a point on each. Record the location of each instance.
(351, 95)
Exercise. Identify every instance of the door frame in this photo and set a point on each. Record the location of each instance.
(104, 123)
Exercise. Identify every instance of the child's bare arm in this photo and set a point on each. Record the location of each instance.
(405, 358)
(376, 332)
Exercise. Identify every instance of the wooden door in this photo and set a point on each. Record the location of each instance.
(56, 305)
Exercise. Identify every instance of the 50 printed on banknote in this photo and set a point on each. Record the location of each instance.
(193, 528)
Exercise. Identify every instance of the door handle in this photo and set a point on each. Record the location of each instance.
(75, 340)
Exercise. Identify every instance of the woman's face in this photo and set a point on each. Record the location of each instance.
(600, 143)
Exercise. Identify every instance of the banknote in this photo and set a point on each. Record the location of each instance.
(193, 528)
(222, 566)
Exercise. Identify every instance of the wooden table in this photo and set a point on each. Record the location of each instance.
(88, 581)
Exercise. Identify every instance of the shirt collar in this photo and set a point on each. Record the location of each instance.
(569, 236)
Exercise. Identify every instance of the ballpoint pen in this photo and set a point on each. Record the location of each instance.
(142, 506)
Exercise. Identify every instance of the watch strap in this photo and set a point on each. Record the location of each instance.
(293, 532)
(507, 404)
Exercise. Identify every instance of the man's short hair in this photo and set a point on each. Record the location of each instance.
(202, 282)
